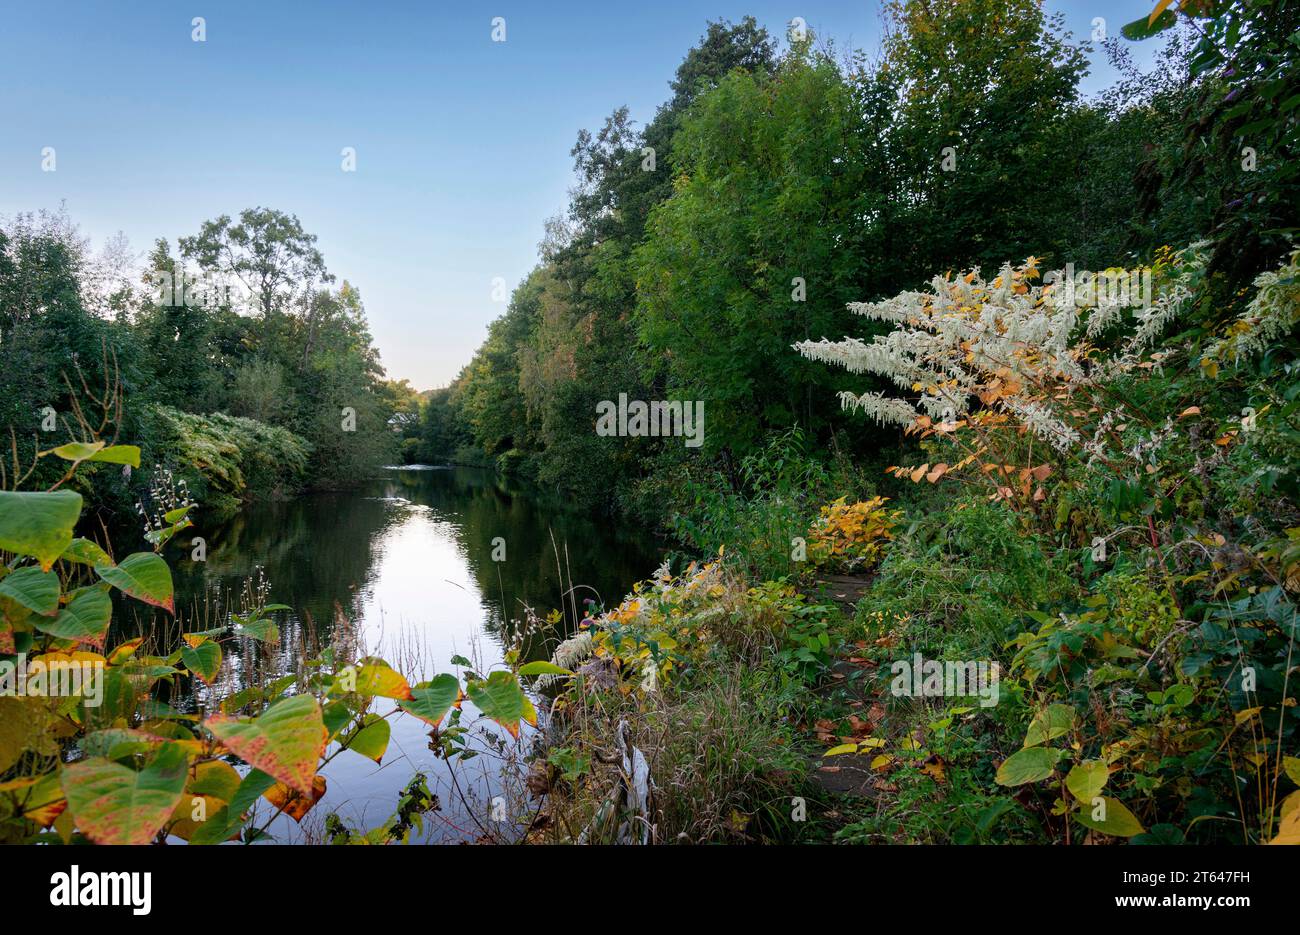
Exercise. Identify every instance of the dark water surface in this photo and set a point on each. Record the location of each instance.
(406, 563)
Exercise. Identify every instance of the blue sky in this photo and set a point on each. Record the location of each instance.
(462, 143)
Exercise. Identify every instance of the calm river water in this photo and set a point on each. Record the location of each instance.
(407, 563)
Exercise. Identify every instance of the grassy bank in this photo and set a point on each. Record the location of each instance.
(1080, 640)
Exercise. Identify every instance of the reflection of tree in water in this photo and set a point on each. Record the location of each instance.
(543, 547)
(320, 551)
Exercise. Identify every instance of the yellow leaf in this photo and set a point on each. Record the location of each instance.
(1160, 8)
(1289, 831)
(1247, 714)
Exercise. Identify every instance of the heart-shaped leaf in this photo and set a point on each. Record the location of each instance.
(260, 629)
(372, 739)
(35, 589)
(292, 802)
(1086, 780)
(203, 660)
(226, 822)
(113, 804)
(1050, 723)
(430, 701)
(85, 552)
(285, 741)
(38, 524)
(85, 619)
(500, 698)
(377, 678)
(144, 576)
(1028, 765)
(1118, 820)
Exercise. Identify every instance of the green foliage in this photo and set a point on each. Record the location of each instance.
(228, 459)
(91, 753)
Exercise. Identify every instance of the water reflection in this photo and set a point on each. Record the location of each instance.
(408, 563)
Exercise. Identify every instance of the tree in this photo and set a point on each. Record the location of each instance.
(267, 251)
(758, 247)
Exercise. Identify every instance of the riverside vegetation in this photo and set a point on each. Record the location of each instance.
(922, 440)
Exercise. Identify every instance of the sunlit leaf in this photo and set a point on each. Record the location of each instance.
(118, 454)
(543, 668)
(1119, 821)
(1086, 780)
(85, 552)
(76, 451)
(1050, 723)
(375, 677)
(1028, 765)
(285, 741)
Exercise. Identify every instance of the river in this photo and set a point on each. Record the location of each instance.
(419, 565)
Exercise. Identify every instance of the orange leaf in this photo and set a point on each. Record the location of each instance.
(294, 803)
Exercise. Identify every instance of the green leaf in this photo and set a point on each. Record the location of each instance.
(372, 740)
(203, 660)
(1050, 723)
(115, 743)
(376, 677)
(227, 821)
(1087, 779)
(35, 589)
(118, 454)
(38, 524)
(430, 701)
(1119, 821)
(260, 629)
(285, 741)
(76, 451)
(85, 619)
(85, 552)
(1028, 765)
(1291, 766)
(1145, 28)
(543, 668)
(113, 804)
(144, 576)
(500, 698)
(336, 715)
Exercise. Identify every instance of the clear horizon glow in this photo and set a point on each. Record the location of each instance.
(462, 144)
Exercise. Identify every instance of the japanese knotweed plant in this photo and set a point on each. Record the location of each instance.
(1014, 352)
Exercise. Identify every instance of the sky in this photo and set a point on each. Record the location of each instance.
(461, 143)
